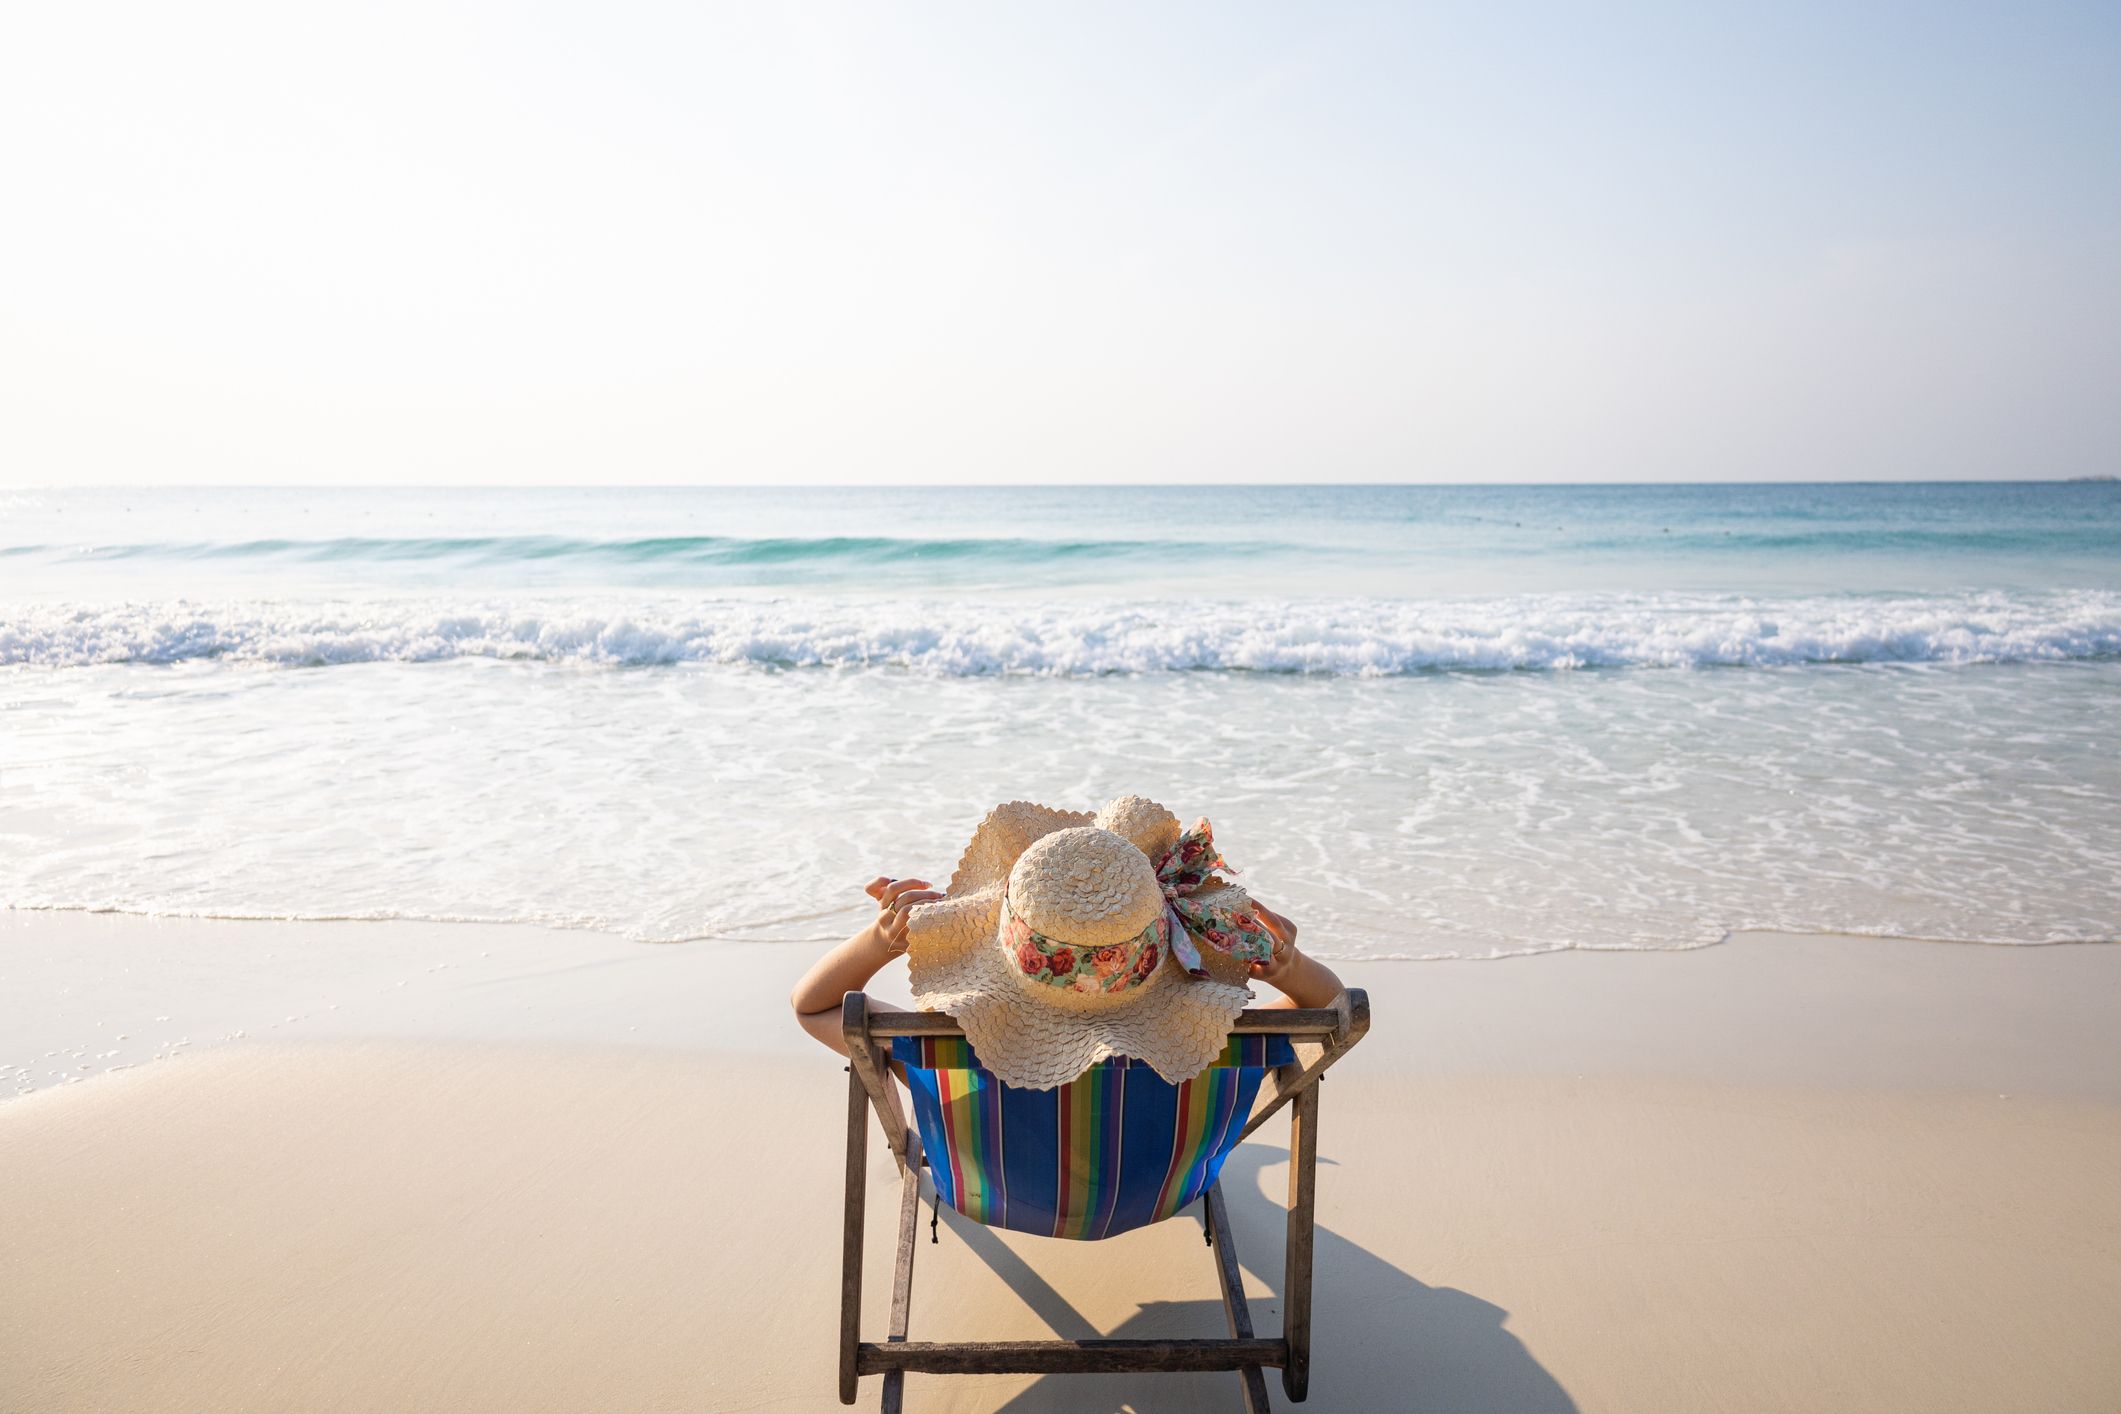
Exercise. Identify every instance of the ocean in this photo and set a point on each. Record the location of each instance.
(1425, 721)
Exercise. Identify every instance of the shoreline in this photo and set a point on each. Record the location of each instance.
(158, 915)
(85, 994)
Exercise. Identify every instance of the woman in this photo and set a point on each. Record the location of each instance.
(1066, 937)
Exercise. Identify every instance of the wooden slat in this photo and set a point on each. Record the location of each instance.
(909, 1219)
(1353, 1007)
(1272, 1021)
(1283, 1085)
(851, 1235)
(1231, 1278)
(1296, 1258)
(857, 1026)
(1060, 1357)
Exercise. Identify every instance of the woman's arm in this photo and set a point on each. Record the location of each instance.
(848, 967)
(1303, 981)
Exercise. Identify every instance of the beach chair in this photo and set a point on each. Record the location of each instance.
(1118, 1148)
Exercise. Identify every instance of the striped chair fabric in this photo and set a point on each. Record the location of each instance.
(1117, 1148)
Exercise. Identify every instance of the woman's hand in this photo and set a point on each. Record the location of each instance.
(1276, 970)
(848, 967)
(895, 899)
(1302, 981)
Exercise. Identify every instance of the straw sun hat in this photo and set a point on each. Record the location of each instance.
(1065, 938)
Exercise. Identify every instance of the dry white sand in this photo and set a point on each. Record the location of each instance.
(461, 1168)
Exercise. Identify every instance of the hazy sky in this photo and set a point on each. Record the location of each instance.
(631, 242)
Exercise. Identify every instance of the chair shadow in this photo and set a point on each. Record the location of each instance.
(1381, 1339)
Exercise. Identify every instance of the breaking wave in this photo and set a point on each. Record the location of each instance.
(1345, 637)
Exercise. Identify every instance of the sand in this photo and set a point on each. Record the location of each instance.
(451, 1167)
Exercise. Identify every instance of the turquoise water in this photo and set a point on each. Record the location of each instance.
(1247, 542)
(1431, 721)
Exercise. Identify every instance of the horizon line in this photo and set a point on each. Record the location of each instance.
(2108, 478)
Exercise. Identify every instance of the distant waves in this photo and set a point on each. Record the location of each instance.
(960, 638)
(847, 552)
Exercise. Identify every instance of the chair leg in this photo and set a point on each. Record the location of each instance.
(851, 1235)
(1230, 1277)
(1296, 1262)
(909, 1226)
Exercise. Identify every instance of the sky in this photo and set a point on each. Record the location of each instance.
(1051, 242)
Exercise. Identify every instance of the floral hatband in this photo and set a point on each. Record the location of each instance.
(1121, 967)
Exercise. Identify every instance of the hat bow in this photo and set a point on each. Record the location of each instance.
(1204, 911)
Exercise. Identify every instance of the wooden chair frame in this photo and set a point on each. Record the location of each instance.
(1318, 1037)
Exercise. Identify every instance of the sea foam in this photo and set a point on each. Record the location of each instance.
(1077, 638)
